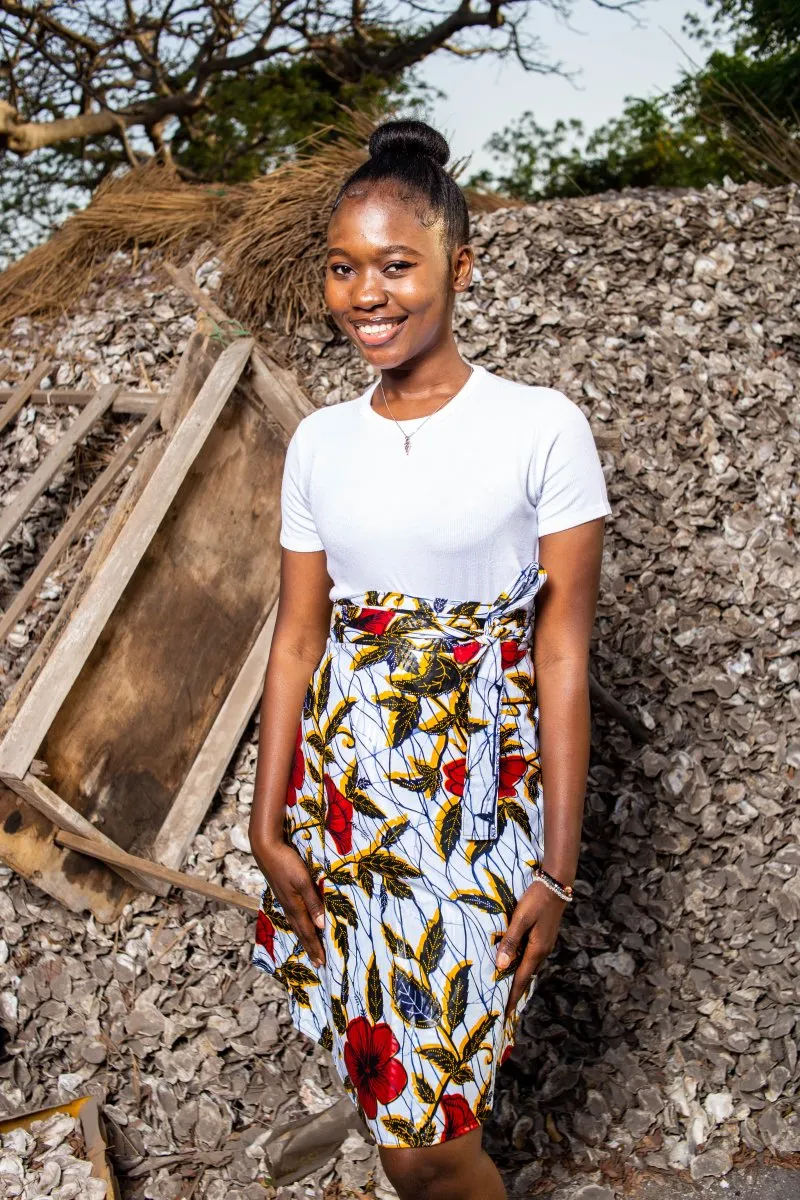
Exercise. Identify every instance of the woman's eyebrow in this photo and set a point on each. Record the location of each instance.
(398, 248)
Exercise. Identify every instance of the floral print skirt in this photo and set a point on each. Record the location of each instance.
(415, 801)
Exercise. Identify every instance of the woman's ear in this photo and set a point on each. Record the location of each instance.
(462, 264)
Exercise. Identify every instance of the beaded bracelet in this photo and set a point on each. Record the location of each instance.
(563, 890)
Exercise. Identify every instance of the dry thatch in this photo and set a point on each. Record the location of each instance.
(149, 206)
(269, 234)
(272, 254)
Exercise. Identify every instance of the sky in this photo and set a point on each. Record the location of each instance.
(614, 54)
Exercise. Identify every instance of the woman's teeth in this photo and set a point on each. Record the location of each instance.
(377, 331)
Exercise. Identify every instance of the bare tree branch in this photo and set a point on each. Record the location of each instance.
(23, 137)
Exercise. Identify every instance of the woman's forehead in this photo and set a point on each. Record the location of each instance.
(383, 217)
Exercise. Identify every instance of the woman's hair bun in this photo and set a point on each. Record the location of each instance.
(407, 138)
(413, 155)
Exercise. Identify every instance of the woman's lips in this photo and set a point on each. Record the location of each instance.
(377, 333)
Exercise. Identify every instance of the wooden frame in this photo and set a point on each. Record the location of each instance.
(14, 400)
(134, 402)
(27, 496)
(77, 520)
(31, 722)
(46, 827)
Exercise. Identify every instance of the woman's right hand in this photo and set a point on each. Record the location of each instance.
(292, 885)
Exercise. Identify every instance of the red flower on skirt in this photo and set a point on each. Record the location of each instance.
(298, 770)
(458, 1117)
(374, 620)
(506, 1053)
(339, 818)
(369, 1055)
(511, 652)
(265, 933)
(455, 775)
(464, 651)
(512, 768)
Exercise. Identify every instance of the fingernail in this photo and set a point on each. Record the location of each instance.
(503, 959)
(319, 920)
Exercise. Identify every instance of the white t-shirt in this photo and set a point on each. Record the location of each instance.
(501, 465)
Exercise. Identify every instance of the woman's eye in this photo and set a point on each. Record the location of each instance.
(339, 269)
(401, 266)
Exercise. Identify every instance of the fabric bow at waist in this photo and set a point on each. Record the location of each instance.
(475, 633)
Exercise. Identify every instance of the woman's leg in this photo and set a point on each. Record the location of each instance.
(456, 1170)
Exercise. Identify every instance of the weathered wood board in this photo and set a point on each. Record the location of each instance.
(151, 706)
(128, 732)
(82, 632)
(78, 882)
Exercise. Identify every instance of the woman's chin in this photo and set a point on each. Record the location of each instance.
(383, 358)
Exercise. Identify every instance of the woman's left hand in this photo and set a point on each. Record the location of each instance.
(533, 928)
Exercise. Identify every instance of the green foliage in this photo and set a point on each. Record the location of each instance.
(708, 126)
(642, 148)
(251, 118)
(764, 64)
(765, 26)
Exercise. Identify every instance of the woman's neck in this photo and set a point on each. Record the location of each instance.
(417, 388)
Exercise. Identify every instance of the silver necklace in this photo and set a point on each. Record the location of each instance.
(408, 436)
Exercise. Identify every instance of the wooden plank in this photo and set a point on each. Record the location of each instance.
(202, 351)
(132, 402)
(184, 279)
(17, 398)
(77, 640)
(79, 883)
(100, 488)
(25, 499)
(50, 805)
(196, 346)
(276, 387)
(130, 862)
(137, 482)
(148, 696)
(273, 393)
(617, 711)
(200, 785)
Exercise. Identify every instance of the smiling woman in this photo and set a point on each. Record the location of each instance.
(399, 810)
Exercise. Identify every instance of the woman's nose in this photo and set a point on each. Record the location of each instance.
(368, 291)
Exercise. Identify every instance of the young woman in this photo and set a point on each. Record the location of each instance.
(418, 851)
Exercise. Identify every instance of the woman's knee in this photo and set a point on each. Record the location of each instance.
(411, 1172)
(432, 1172)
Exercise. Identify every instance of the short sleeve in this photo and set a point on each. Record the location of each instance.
(568, 485)
(298, 530)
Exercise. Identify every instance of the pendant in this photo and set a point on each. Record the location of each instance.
(408, 443)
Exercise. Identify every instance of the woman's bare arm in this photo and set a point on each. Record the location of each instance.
(562, 636)
(301, 631)
(565, 614)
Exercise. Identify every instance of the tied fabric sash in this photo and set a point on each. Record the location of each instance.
(481, 629)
